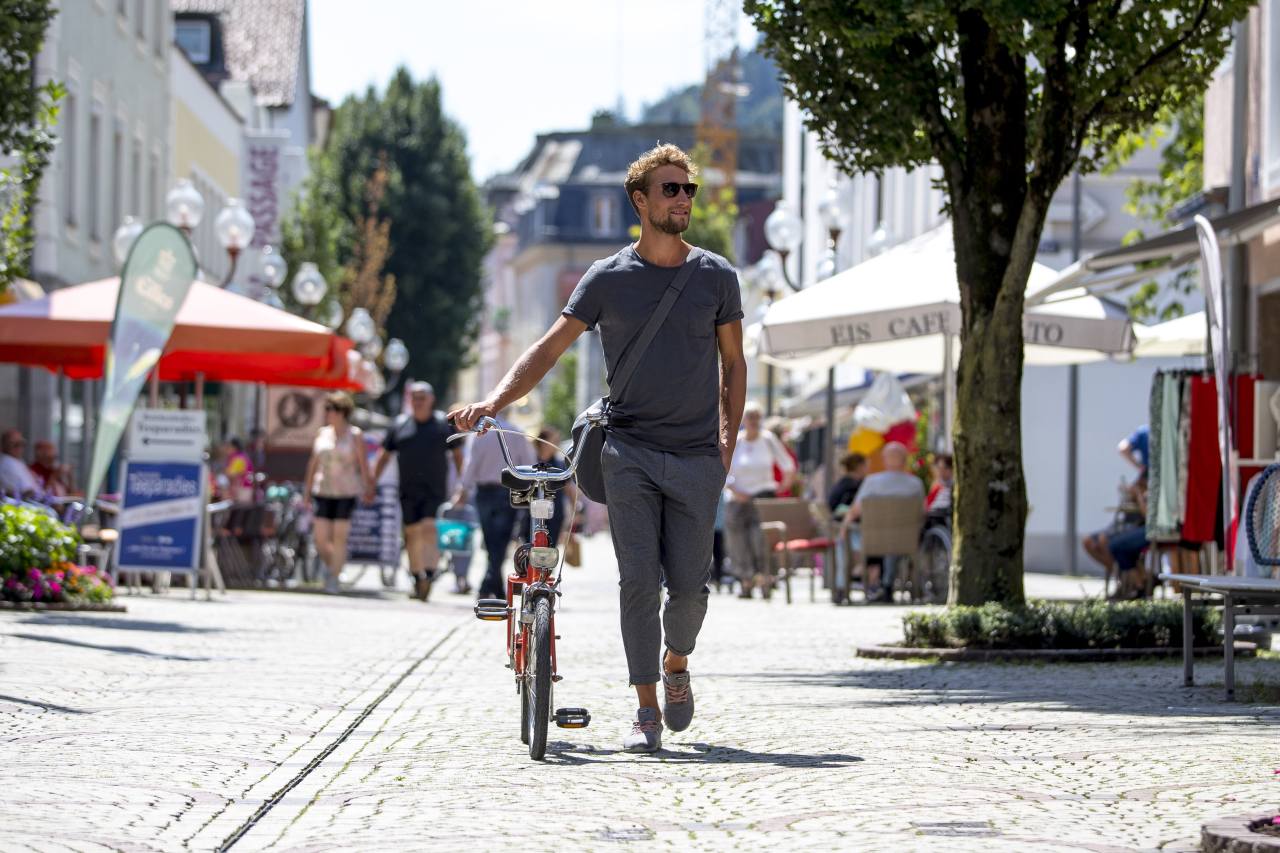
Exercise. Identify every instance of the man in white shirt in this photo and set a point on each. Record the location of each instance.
(751, 477)
(15, 477)
(893, 481)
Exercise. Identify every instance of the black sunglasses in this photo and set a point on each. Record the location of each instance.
(670, 188)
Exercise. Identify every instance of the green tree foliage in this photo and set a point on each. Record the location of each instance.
(27, 114)
(562, 398)
(1008, 97)
(440, 229)
(1180, 178)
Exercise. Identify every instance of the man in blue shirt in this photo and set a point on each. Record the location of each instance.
(1136, 449)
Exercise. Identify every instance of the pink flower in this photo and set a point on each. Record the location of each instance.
(55, 588)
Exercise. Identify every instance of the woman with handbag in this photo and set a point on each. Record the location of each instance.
(757, 453)
(337, 474)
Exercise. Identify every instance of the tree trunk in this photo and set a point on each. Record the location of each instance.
(990, 496)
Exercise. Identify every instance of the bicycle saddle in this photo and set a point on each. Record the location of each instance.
(524, 476)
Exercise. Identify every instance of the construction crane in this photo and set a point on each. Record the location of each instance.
(717, 124)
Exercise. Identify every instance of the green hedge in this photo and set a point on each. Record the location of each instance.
(1092, 624)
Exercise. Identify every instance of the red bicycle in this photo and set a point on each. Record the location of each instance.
(535, 582)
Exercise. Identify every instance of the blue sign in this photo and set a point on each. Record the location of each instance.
(161, 515)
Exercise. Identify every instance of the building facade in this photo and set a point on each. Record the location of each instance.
(112, 160)
(1258, 344)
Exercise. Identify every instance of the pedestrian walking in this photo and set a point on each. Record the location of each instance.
(669, 443)
(482, 476)
(418, 439)
(337, 474)
(751, 475)
(548, 452)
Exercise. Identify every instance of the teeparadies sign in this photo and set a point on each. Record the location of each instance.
(153, 285)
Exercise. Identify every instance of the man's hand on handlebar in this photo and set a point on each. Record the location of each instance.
(466, 417)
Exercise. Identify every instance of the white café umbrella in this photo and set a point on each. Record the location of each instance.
(897, 311)
(1175, 338)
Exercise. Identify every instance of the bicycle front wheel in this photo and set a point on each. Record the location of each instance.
(537, 684)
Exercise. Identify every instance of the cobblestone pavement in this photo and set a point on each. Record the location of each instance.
(375, 723)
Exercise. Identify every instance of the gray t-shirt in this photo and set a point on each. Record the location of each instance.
(672, 403)
(891, 484)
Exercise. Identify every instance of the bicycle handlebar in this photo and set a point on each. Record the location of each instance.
(485, 424)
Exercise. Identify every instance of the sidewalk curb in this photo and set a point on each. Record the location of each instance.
(1236, 835)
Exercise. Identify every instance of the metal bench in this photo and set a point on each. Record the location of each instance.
(1240, 597)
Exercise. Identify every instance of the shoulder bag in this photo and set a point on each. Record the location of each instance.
(590, 472)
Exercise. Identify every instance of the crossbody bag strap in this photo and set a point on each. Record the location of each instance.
(632, 358)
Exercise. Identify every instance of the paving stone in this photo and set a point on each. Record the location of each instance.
(168, 727)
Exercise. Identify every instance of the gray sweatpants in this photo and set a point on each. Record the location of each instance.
(662, 513)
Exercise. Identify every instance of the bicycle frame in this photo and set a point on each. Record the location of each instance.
(533, 576)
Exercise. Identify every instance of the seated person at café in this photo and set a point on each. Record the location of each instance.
(937, 504)
(16, 478)
(53, 477)
(894, 481)
(842, 494)
(1131, 514)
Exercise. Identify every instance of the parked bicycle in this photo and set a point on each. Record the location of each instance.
(531, 635)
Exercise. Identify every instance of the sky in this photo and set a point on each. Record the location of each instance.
(510, 69)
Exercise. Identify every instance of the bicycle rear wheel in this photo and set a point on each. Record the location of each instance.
(538, 683)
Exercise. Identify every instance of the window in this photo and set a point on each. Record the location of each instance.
(195, 38)
(116, 201)
(69, 158)
(93, 172)
(604, 215)
(135, 181)
(140, 19)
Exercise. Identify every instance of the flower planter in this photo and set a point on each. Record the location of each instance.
(1238, 835)
(976, 655)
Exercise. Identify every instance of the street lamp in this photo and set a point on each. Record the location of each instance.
(184, 206)
(372, 348)
(833, 213)
(234, 227)
(272, 267)
(879, 240)
(124, 238)
(396, 355)
(308, 285)
(333, 316)
(360, 326)
(784, 231)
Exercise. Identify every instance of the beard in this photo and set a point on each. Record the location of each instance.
(669, 225)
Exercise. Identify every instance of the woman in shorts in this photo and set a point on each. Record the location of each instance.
(336, 474)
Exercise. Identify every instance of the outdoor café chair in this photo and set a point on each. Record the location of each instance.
(891, 528)
(801, 536)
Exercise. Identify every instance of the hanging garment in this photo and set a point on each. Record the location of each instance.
(1204, 465)
(1162, 520)
(1184, 443)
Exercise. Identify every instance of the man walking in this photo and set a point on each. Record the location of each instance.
(672, 430)
(482, 473)
(418, 439)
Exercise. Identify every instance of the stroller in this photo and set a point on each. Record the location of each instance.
(455, 535)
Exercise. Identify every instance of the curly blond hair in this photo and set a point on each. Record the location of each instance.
(660, 155)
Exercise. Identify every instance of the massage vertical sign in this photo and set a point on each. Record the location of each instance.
(153, 285)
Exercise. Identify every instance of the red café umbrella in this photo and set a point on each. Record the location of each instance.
(222, 335)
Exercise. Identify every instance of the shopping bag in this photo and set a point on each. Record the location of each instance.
(573, 551)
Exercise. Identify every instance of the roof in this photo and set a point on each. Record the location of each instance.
(602, 154)
(262, 40)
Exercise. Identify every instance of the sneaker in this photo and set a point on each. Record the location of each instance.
(677, 705)
(646, 732)
(331, 584)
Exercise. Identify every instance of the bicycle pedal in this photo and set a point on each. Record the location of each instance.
(492, 610)
(573, 718)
